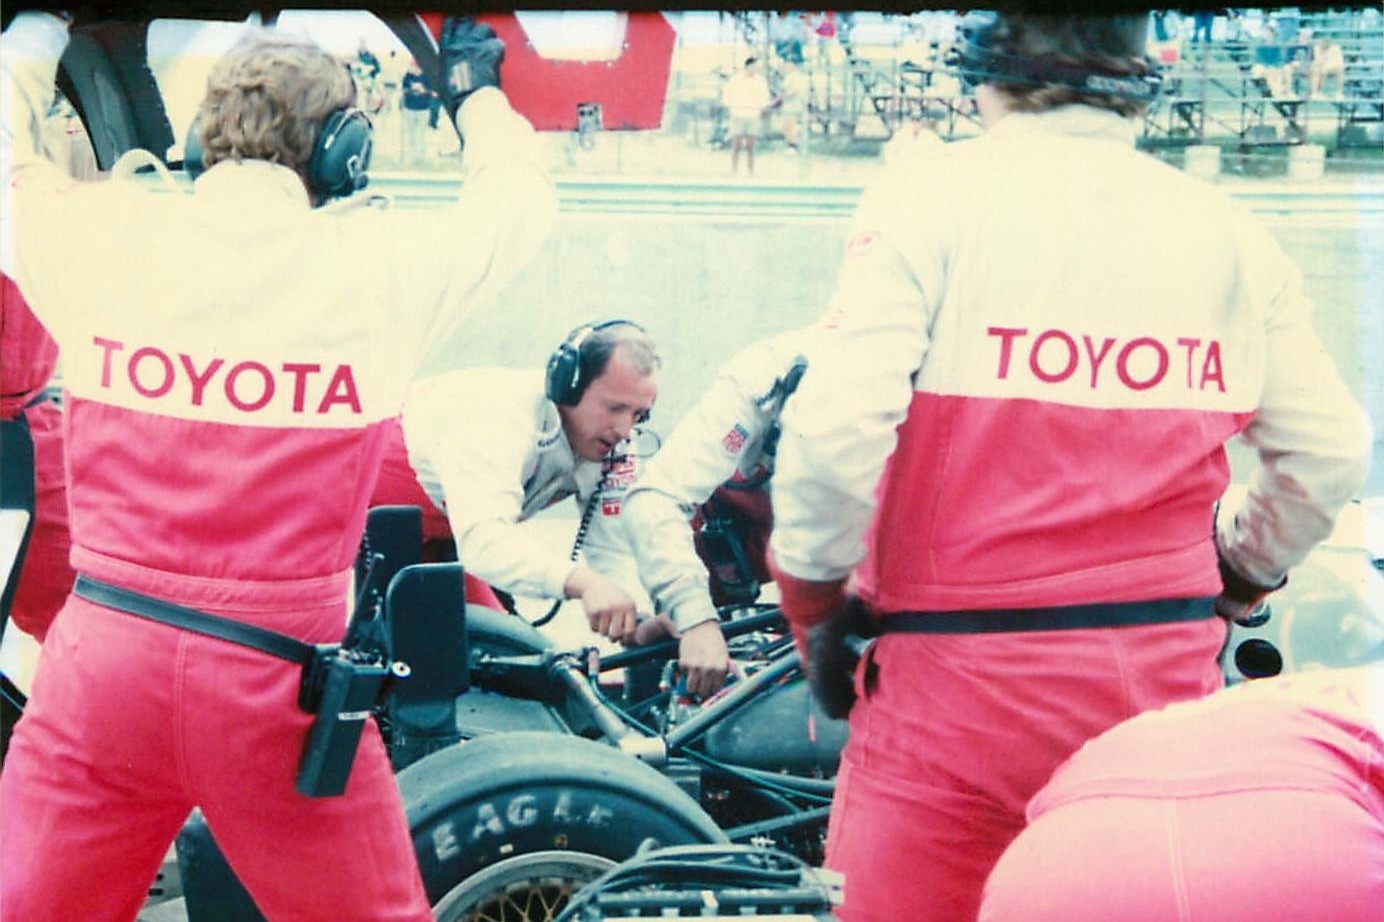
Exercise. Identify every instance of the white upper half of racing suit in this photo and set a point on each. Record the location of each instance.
(489, 449)
(1039, 342)
(249, 341)
(725, 438)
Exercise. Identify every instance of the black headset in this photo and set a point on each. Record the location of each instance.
(567, 374)
(340, 156)
(977, 60)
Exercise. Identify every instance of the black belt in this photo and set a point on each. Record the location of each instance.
(198, 622)
(1056, 618)
(41, 397)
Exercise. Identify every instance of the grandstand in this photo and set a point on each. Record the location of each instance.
(1250, 86)
(1252, 92)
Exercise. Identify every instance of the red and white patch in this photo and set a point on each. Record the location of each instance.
(861, 244)
(610, 507)
(734, 440)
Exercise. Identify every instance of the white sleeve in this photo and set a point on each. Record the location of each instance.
(839, 428)
(29, 54)
(1312, 437)
(474, 453)
(682, 475)
(505, 212)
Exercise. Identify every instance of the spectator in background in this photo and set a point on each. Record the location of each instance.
(391, 73)
(786, 32)
(417, 109)
(366, 61)
(796, 93)
(1234, 25)
(745, 96)
(366, 70)
(1202, 21)
(1270, 68)
(1328, 63)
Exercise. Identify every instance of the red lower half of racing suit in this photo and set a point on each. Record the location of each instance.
(953, 733)
(103, 769)
(1265, 802)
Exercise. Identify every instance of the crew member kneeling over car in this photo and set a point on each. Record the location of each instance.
(1263, 803)
(225, 353)
(1012, 436)
(715, 470)
(495, 446)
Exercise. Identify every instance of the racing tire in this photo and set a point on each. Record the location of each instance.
(508, 826)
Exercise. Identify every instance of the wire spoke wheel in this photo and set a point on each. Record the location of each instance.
(525, 888)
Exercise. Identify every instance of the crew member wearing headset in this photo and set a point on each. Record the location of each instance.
(714, 470)
(1262, 802)
(1012, 441)
(250, 358)
(551, 433)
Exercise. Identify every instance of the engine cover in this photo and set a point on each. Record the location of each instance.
(781, 730)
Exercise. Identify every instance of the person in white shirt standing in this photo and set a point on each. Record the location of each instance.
(745, 96)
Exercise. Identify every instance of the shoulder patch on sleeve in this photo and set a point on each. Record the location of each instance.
(861, 244)
(735, 439)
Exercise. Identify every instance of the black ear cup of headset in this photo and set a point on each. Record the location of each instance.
(340, 157)
(566, 380)
(192, 152)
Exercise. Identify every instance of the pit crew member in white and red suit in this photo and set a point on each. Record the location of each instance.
(546, 437)
(225, 354)
(718, 463)
(1262, 802)
(1012, 440)
(28, 357)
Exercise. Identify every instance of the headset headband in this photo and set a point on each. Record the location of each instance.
(977, 63)
(565, 373)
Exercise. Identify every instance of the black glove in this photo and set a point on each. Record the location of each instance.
(832, 658)
(471, 56)
(1240, 599)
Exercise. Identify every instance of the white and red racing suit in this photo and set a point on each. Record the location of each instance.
(1263, 802)
(28, 356)
(722, 451)
(488, 448)
(1040, 341)
(227, 354)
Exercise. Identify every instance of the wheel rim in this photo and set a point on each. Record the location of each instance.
(525, 888)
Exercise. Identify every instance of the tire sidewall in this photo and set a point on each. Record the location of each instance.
(560, 794)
